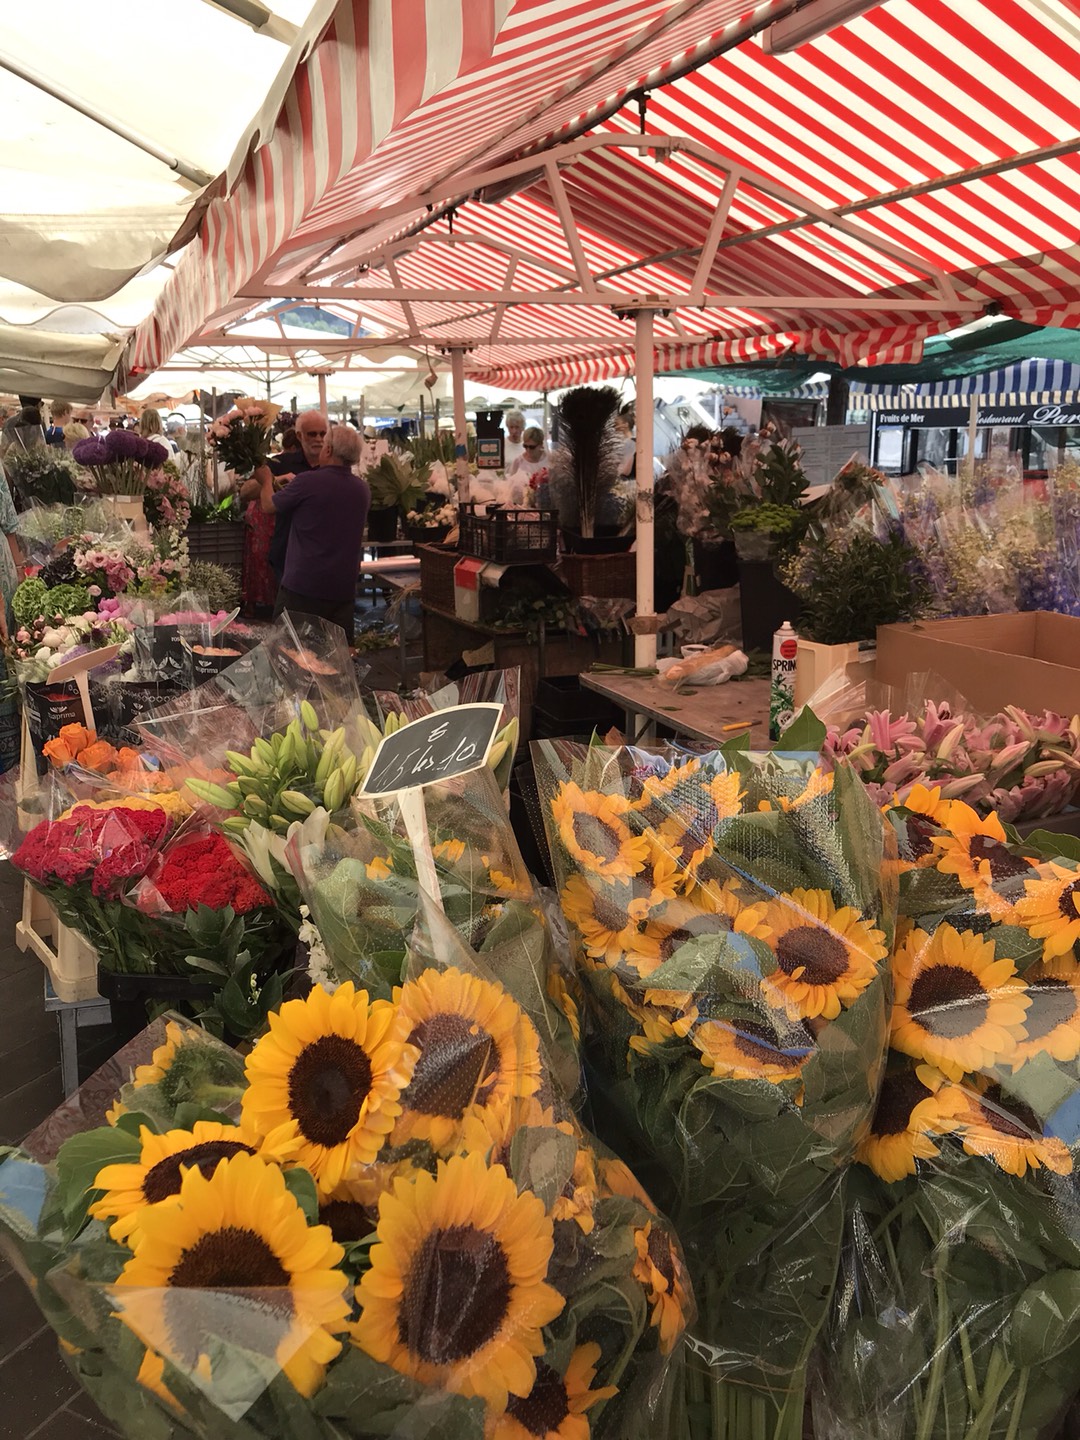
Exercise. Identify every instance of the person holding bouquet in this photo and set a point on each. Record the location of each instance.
(327, 511)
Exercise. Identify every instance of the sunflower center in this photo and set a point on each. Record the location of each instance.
(1069, 901)
(163, 1179)
(755, 1041)
(544, 1409)
(1053, 1003)
(820, 955)
(457, 1067)
(593, 836)
(972, 922)
(672, 941)
(901, 1091)
(608, 914)
(948, 1001)
(1003, 864)
(661, 1256)
(329, 1081)
(456, 1296)
(232, 1258)
(1009, 1116)
(348, 1220)
(919, 831)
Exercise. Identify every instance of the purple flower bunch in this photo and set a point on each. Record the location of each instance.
(121, 461)
(1022, 766)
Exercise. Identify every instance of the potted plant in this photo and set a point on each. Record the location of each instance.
(431, 521)
(585, 472)
(848, 583)
(397, 486)
(760, 505)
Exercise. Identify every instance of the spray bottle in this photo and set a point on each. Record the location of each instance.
(785, 649)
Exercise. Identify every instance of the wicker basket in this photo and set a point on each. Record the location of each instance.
(437, 576)
(605, 577)
(509, 536)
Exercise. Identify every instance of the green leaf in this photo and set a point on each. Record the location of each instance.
(805, 733)
(542, 1160)
(78, 1163)
(301, 1187)
(1053, 845)
(1046, 1320)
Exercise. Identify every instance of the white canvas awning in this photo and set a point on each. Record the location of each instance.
(115, 123)
(63, 367)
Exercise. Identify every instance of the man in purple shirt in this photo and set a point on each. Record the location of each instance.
(328, 509)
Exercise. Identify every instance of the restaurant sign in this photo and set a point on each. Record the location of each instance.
(960, 415)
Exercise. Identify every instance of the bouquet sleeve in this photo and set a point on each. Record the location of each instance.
(391, 1222)
(960, 1308)
(731, 917)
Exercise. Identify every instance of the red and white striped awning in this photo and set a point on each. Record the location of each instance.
(886, 181)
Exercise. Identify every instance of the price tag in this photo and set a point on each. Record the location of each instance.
(450, 742)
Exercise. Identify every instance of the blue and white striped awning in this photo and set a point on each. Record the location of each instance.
(1029, 382)
(812, 390)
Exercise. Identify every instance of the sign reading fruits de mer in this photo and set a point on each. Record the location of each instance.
(450, 742)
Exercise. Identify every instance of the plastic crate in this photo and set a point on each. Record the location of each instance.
(70, 958)
(564, 707)
(510, 536)
(605, 577)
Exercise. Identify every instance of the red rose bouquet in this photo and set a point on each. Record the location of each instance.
(85, 862)
(200, 869)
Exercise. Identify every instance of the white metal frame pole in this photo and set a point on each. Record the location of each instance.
(644, 645)
(461, 433)
(322, 394)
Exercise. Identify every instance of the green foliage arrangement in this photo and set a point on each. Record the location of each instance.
(851, 583)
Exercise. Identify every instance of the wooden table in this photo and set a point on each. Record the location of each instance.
(700, 716)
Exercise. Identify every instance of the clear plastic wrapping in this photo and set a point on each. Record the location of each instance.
(731, 917)
(958, 1307)
(387, 1220)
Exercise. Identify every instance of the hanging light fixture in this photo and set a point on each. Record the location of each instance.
(810, 22)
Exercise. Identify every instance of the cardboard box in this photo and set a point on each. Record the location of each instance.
(1032, 660)
(818, 663)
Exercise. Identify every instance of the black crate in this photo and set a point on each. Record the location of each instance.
(509, 536)
(563, 707)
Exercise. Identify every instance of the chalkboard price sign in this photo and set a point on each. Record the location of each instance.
(450, 742)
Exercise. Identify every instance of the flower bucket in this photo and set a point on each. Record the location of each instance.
(818, 663)
(382, 524)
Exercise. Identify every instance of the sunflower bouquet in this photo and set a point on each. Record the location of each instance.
(384, 1221)
(960, 1311)
(365, 889)
(731, 917)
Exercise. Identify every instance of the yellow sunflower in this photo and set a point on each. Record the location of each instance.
(490, 1133)
(656, 785)
(617, 1178)
(1050, 909)
(1002, 1128)
(593, 829)
(336, 1065)
(381, 868)
(163, 1160)
(456, 1296)
(578, 1195)
(449, 851)
(656, 1031)
(162, 1058)
(1052, 1023)
(955, 1005)
(151, 1377)
(478, 1050)
(826, 954)
(555, 1407)
(688, 841)
(916, 831)
(818, 783)
(747, 1050)
(908, 1114)
(977, 853)
(659, 1268)
(601, 915)
(747, 916)
(726, 792)
(656, 882)
(509, 886)
(559, 995)
(237, 1230)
